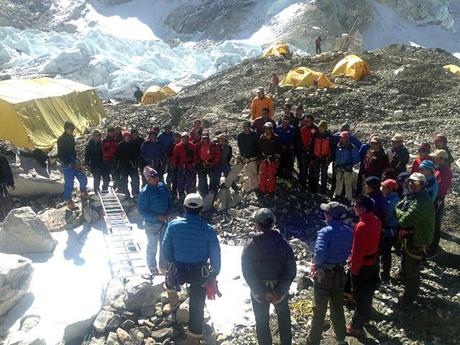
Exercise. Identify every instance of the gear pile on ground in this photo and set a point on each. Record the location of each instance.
(407, 92)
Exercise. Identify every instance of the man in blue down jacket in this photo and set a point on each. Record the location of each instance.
(332, 247)
(269, 268)
(154, 205)
(191, 246)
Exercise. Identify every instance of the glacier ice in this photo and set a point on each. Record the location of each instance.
(113, 65)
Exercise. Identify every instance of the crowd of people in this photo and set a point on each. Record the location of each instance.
(396, 205)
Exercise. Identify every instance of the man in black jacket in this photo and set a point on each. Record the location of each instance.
(71, 168)
(248, 145)
(95, 163)
(6, 183)
(398, 157)
(127, 158)
(269, 268)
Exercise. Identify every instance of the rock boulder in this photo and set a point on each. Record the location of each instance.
(24, 232)
(15, 274)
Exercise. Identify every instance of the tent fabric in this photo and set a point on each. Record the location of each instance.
(277, 49)
(351, 66)
(157, 93)
(303, 76)
(33, 111)
(452, 68)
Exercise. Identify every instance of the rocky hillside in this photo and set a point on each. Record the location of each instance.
(408, 92)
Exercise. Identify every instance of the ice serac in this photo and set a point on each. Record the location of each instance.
(23, 232)
(15, 274)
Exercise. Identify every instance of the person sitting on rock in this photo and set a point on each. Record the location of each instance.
(154, 204)
(127, 158)
(208, 164)
(154, 153)
(248, 145)
(138, 94)
(416, 219)
(423, 152)
(261, 102)
(196, 132)
(332, 248)
(95, 162)
(444, 176)
(398, 157)
(184, 160)
(286, 134)
(269, 147)
(6, 183)
(258, 123)
(70, 166)
(269, 267)
(440, 142)
(191, 247)
(321, 155)
(108, 146)
(363, 263)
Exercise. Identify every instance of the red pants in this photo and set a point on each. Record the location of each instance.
(267, 176)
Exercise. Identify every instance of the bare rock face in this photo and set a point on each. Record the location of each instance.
(15, 274)
(24, 232)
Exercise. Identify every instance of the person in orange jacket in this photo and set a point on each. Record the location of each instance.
(260, 102)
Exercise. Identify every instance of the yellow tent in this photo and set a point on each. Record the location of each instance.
(33, 111)
(277, 49)
(156, 94)
(351, 66)
(303, 76)
(452, 68)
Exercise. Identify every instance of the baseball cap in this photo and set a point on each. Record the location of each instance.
(366, 202)
(373, 182)
(184, 134)
(345, 127)
(323, 124)
(344, 134)
(376, 139)
(193, 201)
(416, 176)
(427, 164)
(149, 172)
(268, 125)
(264, 217)
(441, 154)
(390, 183)
(403, 176)
(334, 209)
(425, 147)
(397, 137)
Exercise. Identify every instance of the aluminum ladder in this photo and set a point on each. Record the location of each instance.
(124, 252)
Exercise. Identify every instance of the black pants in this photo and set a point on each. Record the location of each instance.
(363, 287)
(262, 315)
(286, 165)
(6, 203)
(304, 165)
(386, 243)
(132, 173)
(192, 274)
(411, 277)
(98, 175)
(328, 288)
(318, 169)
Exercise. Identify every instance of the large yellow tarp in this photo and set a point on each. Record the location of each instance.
(351, 66)
(33, 111)
(157, 93)
(303, 76)
(452, 68)
(277, 49)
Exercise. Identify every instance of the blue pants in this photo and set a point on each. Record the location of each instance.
(155, 233)
(69, 174)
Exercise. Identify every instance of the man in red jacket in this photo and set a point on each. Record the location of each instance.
(306, 132)
(184, 160)
(363, 262)
(208, 158)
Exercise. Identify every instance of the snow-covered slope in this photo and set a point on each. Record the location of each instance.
(144, 42)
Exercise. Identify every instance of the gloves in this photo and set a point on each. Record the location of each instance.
(212, 289)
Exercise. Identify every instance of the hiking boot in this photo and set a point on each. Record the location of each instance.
(71, 205)
(84, 195)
